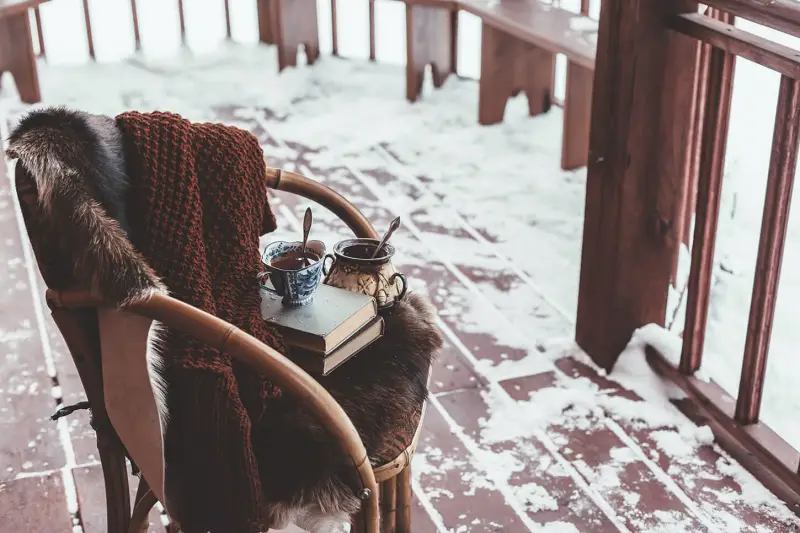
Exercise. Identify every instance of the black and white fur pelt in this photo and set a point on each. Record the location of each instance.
(77, 162)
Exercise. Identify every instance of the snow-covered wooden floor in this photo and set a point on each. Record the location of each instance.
(522, 433)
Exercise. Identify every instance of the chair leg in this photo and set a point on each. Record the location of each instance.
(577, 117)
(389, 505)
(429, 40)
(115, 476)
(357, 523)
(18, 57)
(143, 503)
(404, 498)
(295, 24)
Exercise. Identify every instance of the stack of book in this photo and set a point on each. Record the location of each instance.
(327, 332)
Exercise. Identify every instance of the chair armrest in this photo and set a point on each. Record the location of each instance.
(262, 358)
(283, 180)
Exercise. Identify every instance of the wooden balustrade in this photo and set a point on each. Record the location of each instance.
(718, 42)
(781, 15)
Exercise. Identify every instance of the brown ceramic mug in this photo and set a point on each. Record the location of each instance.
(353, 268)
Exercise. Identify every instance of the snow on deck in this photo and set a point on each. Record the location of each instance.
(523, 433)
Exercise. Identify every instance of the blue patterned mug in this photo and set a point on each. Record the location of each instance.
(286, 273)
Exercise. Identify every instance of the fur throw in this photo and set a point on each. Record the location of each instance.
(152, 202)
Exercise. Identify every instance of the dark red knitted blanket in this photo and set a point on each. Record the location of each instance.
(198, 206)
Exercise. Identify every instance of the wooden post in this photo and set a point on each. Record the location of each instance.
(640, 114)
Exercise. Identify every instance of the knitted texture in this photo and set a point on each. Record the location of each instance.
(198, 206)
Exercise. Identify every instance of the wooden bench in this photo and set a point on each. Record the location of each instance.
(16, 47)
(519, 45)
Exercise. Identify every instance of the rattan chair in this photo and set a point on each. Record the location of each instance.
(76, 315)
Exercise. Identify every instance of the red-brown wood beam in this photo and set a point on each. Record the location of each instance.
(228, 31)
(135, 18)
(87, 18)
(640, 120)
(335, 29)
(694, 147)
(758, 448)
(782, 165)
(782, 15)
(712, 160)
(371, 30)
(182, 20)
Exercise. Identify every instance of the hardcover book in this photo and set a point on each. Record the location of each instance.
(324, 324)
(317, 364)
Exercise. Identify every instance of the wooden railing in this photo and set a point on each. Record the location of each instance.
(87, 17)
(666, 68)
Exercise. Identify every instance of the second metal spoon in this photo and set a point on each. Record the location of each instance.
(393, 226)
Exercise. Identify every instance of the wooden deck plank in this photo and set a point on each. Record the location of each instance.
(84, 440)
(92, 501)
(31, 441)
(34, 504)
(703, 471)
(608, 464)
(542, 485)
(463, 496)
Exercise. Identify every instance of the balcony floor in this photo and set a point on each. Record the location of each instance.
(522, 434)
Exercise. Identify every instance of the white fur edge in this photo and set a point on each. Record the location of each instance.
(155, 370)
(308, 518)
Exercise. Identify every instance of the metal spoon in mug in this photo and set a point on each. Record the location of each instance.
(393, 226)
(307, 220)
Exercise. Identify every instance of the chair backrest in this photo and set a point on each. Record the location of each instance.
(110, 349)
